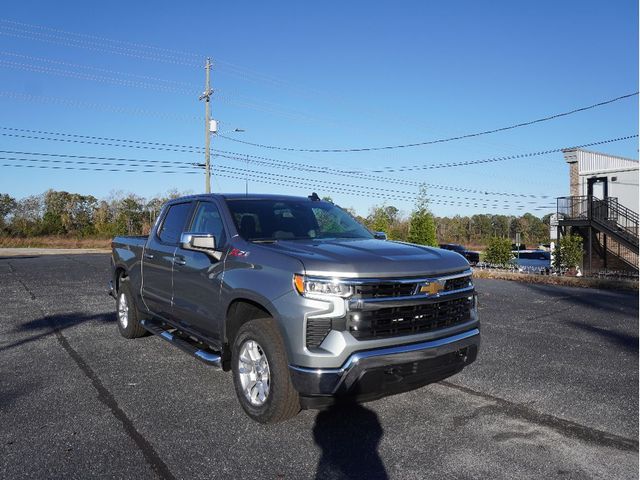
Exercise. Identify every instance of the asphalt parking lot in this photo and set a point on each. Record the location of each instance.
(553, 394)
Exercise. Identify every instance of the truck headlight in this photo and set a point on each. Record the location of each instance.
(310, 287)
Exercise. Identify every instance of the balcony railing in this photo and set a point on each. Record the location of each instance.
(607, 213)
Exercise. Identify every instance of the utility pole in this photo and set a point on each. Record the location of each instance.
(206, 96)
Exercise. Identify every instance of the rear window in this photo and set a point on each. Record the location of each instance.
(174, 223)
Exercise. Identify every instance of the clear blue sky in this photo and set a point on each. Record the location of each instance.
(321, 74)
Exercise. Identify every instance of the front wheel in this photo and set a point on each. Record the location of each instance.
(261, 373)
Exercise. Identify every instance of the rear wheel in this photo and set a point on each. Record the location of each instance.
(261, 373)
(126, 312)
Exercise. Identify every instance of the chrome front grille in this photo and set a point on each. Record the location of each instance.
(388, 322)
(389, 308)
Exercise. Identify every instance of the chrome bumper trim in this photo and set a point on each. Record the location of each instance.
(333, 381)
(357, 357)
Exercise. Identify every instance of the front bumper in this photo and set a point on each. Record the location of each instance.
(373, 374)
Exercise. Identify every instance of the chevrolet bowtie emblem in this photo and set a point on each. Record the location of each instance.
(432, 288)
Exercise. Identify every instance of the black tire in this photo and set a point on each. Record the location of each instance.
(132, 329)
(282, 401)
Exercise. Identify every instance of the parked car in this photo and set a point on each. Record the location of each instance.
(298, 300)
(532, 260)
(471, 256)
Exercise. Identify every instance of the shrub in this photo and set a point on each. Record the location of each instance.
(568, 252)
(498, 251)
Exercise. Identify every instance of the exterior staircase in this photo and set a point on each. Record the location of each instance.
(610, 230)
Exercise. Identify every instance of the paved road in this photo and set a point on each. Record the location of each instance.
(554, 394)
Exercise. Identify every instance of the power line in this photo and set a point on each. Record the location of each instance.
(139, 144)
(432, 142)
(194, 149)
(129, 162)
(28, 97)
(283, 182)
(70, 41)
(286, 165)
(198, 150)
(244, 159)
(93, 77)
(98, 69)
(499, 159)
(77, 138)
(96, 37)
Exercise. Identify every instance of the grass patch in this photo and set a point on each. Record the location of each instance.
(54, 242)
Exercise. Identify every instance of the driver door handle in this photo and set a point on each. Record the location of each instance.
(148, 255)
(179, 262)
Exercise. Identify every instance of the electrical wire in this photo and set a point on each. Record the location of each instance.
(500, 159)
(139, 144)
(244, 159)
(432, 142)
(129, 162)
(286, 165)
(97, 69)
(96, 37)
(28, 97)
(93, 46)
(95, 78)
(282, 182)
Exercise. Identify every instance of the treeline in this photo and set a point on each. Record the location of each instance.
(467, 230)
(84, 216)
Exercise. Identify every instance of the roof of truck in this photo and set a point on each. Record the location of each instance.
(243, 196)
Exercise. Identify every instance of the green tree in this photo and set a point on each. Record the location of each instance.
(26, 220)
(378, 220)
(7, 206)
(568, 252)
(498, 251)
(422, 225)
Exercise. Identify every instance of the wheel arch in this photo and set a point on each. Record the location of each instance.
(241, 310)
(119, 272)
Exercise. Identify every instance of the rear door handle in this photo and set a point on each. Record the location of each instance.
(148, 255)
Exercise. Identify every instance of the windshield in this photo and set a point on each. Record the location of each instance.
(271, 220)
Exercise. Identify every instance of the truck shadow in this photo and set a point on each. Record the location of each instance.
(47, 325)
(620, 339)
(349, 436)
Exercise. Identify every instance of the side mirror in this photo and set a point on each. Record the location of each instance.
(379, 235)
(202, 242)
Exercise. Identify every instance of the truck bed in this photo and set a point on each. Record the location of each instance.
(127, 251)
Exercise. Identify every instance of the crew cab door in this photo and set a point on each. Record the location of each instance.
(197, 276)
(158, 259)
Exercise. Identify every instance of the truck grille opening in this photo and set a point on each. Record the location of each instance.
(396, 289)
(457, 283)
(409, 320)
(317, 330)
(377, 290)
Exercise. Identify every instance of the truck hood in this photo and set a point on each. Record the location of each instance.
(365, 258)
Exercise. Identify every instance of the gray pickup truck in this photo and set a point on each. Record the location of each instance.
(301, 302)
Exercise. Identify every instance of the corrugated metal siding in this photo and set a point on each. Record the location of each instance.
(594, 162)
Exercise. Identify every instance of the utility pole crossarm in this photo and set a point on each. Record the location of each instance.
(206, 96)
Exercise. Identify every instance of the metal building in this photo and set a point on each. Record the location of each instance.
(602, 175)
(602, 208)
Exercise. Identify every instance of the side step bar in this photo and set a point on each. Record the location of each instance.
(206, 356)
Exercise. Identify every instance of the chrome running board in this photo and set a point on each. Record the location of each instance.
(186, 344)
